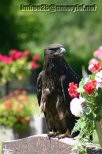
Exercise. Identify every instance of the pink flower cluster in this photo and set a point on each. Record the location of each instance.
(14, 55)
(6, 59)
(94, 64)
(34, 63)
(93, 61)
(98, 53)
(17, 92)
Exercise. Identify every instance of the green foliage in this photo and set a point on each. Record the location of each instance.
(91, 112)
(80, 148)
(81, 86)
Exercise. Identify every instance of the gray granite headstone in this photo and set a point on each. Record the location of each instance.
(41, 144)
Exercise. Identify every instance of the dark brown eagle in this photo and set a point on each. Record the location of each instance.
(52, 91)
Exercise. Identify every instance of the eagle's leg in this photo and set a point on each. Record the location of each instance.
(67, 134)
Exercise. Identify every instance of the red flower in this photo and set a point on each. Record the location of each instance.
(25, 99)
(15, 54)
(27, 120)
(36, 57)
(16, 97)
(17, 92)
(24, 92)
(95, 67)
(20, 118)
(9, 61)
(34, 65)
(1, 57)
(20, 106)
(73, 90)
(27, 54)
(11, 94)
(8, 105)
(18, 55)
(6, 59)
(90, 87)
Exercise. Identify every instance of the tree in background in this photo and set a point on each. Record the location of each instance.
(17, 29)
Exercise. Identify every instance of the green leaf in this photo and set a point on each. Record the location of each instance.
(80, 90)
(92, 76)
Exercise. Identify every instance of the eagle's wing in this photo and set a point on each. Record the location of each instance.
(64, 86)
(39, 87)
(71, 119)
(71, 76)
(39, 91)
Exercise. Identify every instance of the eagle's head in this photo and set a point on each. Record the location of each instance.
(54, 50)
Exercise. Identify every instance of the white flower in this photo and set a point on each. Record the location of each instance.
(76, 106)
(90, 66)
(82, 99)
(98, 78)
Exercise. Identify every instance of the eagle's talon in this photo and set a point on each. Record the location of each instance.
(67, 134)
(63, 136)
(51, 134)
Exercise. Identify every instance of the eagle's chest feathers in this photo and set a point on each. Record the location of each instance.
(51, 83)
(49, 86)
(52, 99)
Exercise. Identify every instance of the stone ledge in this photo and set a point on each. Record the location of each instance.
(41, 144)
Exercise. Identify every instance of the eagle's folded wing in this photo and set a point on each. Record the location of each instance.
(70, 76)
(64, 86)
(39, 87)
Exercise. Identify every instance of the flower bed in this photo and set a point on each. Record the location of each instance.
(17, 64)
(16, 110)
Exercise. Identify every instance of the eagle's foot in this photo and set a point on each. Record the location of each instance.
(67, 134)
(53, 134)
